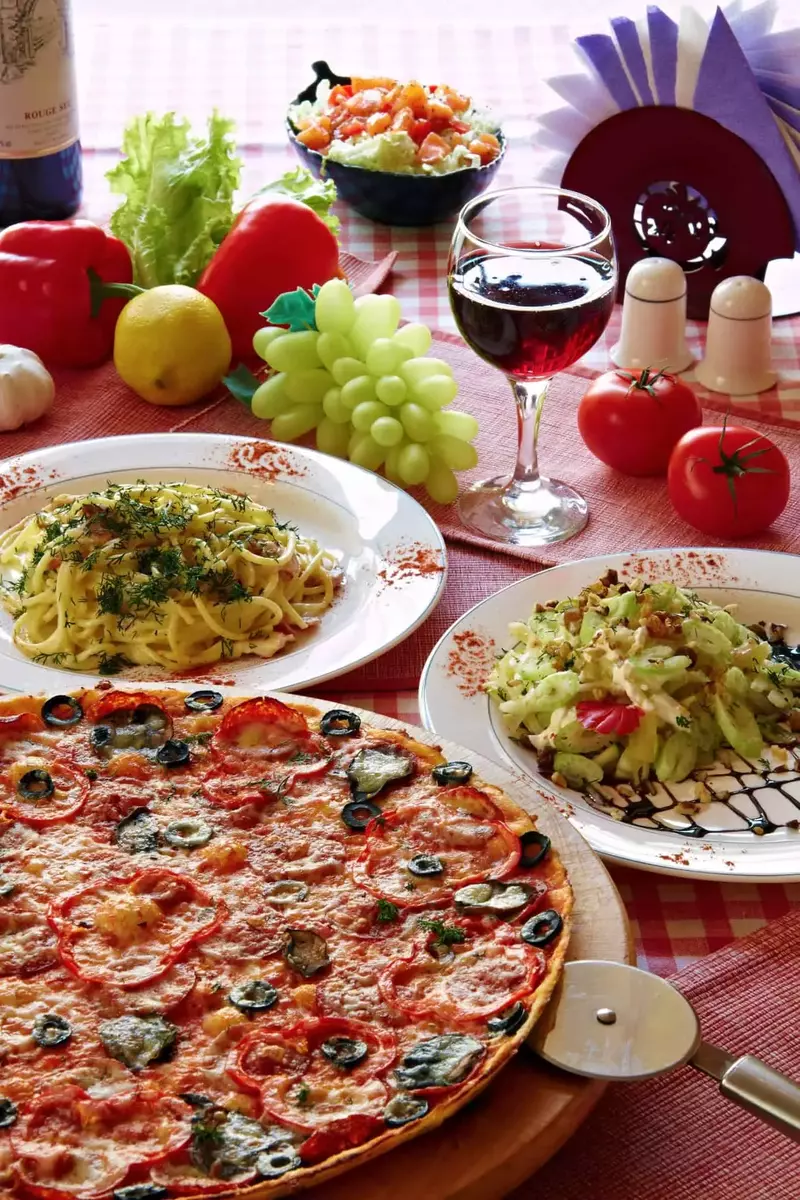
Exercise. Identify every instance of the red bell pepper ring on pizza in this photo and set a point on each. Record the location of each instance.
(483, 976)
(39, 797)
(316, 1072)
(129, 931)
(69, 1143)
(609, 717)
(63, 285)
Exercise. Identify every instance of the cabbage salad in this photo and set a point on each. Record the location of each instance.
(624, 684)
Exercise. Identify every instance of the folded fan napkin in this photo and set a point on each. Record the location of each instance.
(675, 1137)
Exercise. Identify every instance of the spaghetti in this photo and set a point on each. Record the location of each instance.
(172, 575)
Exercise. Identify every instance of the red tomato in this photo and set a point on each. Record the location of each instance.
(340, 1135)
(728, 480)
(632, 422)
(608, 717)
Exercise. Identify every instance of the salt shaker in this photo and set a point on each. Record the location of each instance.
(738, 358)
(654, 318)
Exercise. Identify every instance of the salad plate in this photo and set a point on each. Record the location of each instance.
(389, 556)
(748, 825)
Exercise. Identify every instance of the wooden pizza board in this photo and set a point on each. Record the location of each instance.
(529, 1111)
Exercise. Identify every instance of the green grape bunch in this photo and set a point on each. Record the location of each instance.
(366, 387)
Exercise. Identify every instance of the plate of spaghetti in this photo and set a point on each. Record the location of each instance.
(152, 557)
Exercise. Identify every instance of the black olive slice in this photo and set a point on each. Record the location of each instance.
(426, 864)
(35, 785)
(254, 996)
(195, 1099)
(102, 737)
(402, 1110)
(339, 722)
(542, 928)
(508, 1021)
(452, 772)
(8, 1113)
(204, 701)
(501, 899)
(138, 1041)
(173, 753)
(357, 814)
(61, 711)
(187, 833)
(344, 1052)
(285, 891)
(7, 888)
(535, 846)
(440, 1061)
(374, 767)
(50, 1030)
(274, 1163)
(305, 952)
(141, 1191)
(138, 832)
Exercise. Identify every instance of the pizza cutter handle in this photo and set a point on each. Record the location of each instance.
(767, 1094)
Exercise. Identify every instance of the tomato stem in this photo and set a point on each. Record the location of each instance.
(645, 381)
(734, 466)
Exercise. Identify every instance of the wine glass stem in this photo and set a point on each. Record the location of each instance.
(530, 402)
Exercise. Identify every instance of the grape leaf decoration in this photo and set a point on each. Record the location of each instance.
(294, 310)
(242, 384)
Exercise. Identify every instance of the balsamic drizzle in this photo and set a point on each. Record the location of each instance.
(640, 808)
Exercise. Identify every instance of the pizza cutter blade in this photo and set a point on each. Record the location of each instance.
(611, 1021)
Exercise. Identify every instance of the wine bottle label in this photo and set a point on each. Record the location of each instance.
(38, 114)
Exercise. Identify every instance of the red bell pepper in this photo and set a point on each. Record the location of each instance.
(276, 244)
(62, 286)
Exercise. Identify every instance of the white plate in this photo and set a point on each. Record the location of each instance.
(764, 585)
(373, 527)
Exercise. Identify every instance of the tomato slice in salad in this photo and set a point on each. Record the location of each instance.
(474, 979)
(417, 855)
(129, 931)
(41, 792)
(609, 717)
(69, 1143)
(316, 1072)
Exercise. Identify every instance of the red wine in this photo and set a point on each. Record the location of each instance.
(532, 316)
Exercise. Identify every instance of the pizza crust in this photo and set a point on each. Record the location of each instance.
(499, 1051)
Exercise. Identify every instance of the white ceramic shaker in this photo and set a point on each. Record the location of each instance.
(738, 358)
(654, 318)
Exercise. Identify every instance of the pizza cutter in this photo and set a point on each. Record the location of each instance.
(612, 1021)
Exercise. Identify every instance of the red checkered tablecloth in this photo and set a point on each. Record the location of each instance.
(247, 61)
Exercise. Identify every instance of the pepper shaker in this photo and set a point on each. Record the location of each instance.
(738, 358)
(654, 318)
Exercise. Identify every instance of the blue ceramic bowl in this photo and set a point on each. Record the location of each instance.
(387, 197)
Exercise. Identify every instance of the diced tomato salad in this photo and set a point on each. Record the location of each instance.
(433, 117)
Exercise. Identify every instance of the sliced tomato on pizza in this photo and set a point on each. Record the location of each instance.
(70, 1143)
(129, 931)
(419, 854)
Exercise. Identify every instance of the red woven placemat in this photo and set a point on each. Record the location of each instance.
(676, 1138)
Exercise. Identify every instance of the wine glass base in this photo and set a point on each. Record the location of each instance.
(532, 514)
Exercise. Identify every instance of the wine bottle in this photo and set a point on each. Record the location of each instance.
(40, 155)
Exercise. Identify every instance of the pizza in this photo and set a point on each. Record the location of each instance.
(245, 945)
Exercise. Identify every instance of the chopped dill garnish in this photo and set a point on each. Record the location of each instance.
(446, 935)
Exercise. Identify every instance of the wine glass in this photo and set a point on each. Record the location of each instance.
(531, 276)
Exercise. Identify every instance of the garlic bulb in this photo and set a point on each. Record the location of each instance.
(26, 387)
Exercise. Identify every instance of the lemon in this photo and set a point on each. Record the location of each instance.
(171, 345)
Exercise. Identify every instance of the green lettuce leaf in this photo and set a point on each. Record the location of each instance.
(178, 193)
(318, 194)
